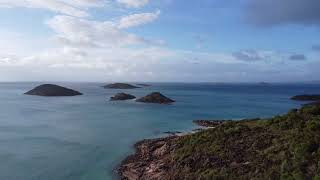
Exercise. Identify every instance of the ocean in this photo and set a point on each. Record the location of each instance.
(86, 137)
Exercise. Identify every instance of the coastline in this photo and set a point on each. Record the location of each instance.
(151, 157)
(150, 160)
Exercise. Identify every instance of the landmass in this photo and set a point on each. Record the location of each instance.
(52, 90)
(122, 97)
(155, 97)
(264, 83)
(307, 97)
(314, 103)
(145, 85)
(282, 147)
(120, 86)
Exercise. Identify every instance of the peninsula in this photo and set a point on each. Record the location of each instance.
(282, 147)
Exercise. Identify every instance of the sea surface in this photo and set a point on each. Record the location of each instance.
(86, 137)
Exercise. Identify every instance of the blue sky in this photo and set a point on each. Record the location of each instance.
(159, 40)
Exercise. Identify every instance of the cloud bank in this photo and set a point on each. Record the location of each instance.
(280, 12)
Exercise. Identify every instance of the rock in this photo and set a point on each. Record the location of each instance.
(52, 90)
(306, 97)
(156, 97)
(120, 86)
(122, 97)
(151, 160)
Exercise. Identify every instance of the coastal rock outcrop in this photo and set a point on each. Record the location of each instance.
(307, 97)
(122, 97)
(52, 90)
(157, 98)
(120, 86)
(152, 160)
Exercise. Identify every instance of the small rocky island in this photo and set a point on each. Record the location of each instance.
(52, 90)
(122, 97)
(307, 97)
(155, 97)
(120, 86)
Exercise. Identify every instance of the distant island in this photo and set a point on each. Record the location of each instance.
(122, 97)
(307, 97)
(120, 86)
(155, 97)
(145, 85)
(52, 90)
(283, 147)
(264, 83)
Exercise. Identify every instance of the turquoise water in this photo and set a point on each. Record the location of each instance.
(86, 137)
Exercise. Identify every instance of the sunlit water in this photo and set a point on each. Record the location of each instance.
(86, 137)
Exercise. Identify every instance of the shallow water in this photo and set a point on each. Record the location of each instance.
(85, 137)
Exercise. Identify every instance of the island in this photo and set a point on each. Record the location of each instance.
(314, 103)
(144, 85)
(122, 97)
(264, 83)
(283, 147)
(120, 86)
(307, 97)
(52, 90)
(155, 97)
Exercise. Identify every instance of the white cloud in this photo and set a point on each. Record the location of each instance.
(85, 33)
(137, 19)
(143, 64)
(133, 3)
(77, 8)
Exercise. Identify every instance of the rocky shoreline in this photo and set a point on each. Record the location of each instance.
(151, 160)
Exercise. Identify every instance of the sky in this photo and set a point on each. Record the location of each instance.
(160, 40)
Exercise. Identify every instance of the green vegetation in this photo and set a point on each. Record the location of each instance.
(284, 147)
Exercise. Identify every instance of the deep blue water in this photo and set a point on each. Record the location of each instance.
(85, 137)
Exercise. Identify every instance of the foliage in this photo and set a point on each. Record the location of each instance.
(284, 147)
